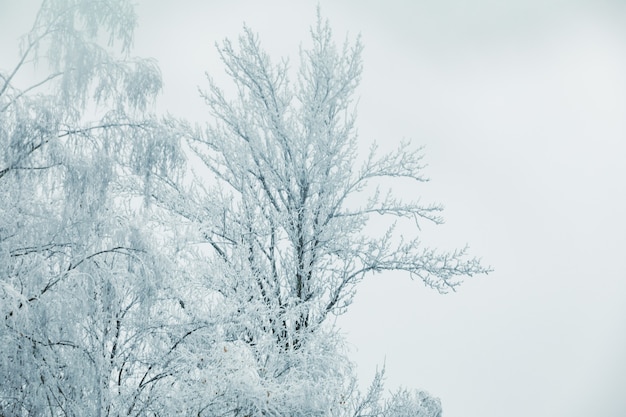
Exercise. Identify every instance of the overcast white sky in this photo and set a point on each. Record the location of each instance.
(522, 107)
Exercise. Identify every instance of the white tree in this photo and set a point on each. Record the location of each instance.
(77, 278)
(406, 403)
(285, 239)
(220, 303)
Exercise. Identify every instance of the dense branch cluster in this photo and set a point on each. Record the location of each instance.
(280, 184)
(130, 287)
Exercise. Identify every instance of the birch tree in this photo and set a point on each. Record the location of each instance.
(284, 212)
(77, 277)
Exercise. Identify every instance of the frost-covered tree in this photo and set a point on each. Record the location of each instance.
(283, 211)
(401, 403)
(220, 303)
(79, 333)
(406, 403)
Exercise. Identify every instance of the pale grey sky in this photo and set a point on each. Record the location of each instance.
(521, 105)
